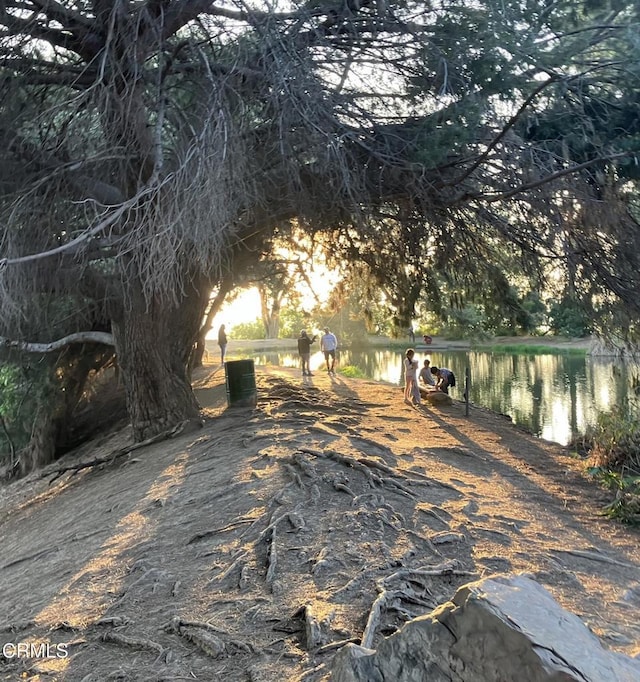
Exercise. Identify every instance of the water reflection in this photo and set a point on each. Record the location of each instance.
(554, 396)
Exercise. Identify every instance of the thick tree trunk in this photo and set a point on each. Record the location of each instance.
(270, 313)
(154, 342)
(42, 445)
(272, 326)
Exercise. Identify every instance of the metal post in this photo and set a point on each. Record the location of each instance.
(467, 389)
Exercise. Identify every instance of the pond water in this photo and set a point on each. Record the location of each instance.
(556, 397)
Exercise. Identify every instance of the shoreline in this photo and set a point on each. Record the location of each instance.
(439, 344)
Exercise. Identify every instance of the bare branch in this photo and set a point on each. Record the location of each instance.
(79, 337)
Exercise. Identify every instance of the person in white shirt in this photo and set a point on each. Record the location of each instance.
(329, 345)
(425, 374)
(411, 390)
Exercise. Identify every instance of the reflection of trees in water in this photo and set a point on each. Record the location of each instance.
(556, 396)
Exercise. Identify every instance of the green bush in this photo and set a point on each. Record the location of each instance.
(465, 323)
(626, 503)
(615, 440)
(9, 390)
(351, 371)
(614, 454)
(22, 390)
(248, 330)
(291, 322)
(567, 318)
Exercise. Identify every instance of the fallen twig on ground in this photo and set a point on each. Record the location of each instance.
(110, 459)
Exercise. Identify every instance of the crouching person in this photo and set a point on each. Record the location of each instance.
(445, 378)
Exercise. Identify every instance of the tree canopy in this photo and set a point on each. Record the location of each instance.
(150, 150)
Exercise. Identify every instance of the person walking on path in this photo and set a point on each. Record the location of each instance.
(304, 349)
(411, 389)
(329, 345)
(426, 375)
(222, 342)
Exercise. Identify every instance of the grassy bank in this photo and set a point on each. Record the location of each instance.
(530, 349)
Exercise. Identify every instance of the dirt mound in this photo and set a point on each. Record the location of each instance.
(255, 549)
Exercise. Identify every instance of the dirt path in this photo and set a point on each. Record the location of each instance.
(249, 550)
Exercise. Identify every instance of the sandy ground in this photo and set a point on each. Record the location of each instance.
(251, 549)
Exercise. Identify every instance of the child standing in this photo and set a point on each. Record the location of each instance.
(411, 390)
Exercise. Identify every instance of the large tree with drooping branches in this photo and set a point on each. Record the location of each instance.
(151, 148)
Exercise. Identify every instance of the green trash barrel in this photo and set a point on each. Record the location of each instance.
(240, 378)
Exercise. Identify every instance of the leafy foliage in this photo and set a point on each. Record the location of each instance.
(351, 371)
(568, 318)
(615, 440)
(614, 452)
(466, 322)
(248, 330)
(625, 506)
(9, 390)
(23, 388)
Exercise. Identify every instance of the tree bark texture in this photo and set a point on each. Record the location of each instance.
(154, 340)
(41, 448)
(270, 311)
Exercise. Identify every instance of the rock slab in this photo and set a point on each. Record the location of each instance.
(499, 629)
(435, 397)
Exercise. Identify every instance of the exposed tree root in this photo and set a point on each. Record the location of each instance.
(272, 557)
(113, 621)
(446, 537)
(204, 636)
(382, 601)
(417, 575)
(236, 566)
(307, 468)
(132, 642)
(293, 473)
(332, 646)
(593, 556)
(313, 671)
(49, 550)
(207, 642)
(343, 488)
(222, 529)
(176, 623)
(365, 465)
(356, 582)
(388, 598)
(374, 464)
(314, 635)
(398, 487)
(435, 515)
